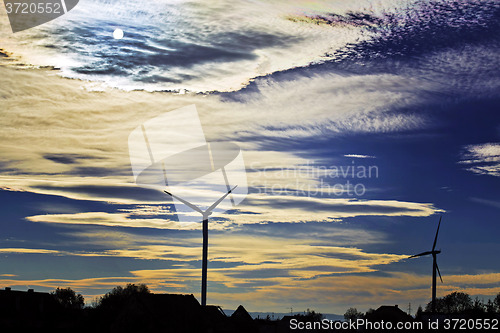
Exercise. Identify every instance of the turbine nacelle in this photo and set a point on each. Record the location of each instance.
(425, 254)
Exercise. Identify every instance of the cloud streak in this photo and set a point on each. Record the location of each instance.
(482, 159)
(256, 209)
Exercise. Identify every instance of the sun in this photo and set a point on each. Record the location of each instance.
(118, 34)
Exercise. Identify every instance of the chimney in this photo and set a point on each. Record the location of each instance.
(396, 306)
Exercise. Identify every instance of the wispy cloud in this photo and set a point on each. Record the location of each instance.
(487, 202)
(81, 152)
(281, 208)
(483, 159)
(31, 251)
(358, 156)
(256, 209)
(266, 43)
(112, 220)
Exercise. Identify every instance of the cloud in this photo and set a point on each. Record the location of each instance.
(187, 251)
(254, 261)
(331, 293)
(76, 144)
(492, 203)
(256, 209)
(335, 104)
(263, 272)
(282, 208)
(358, 156)
(483, 159)
(336, 293)
(229, 49)
(30, 251)
(112, 220)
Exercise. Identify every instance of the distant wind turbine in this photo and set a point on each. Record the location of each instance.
(434, 266)
(205, 215)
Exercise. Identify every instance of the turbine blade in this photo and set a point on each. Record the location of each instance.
(187, 203)
(437, 231)
(219, 201)
(437, 267)
(420, 254)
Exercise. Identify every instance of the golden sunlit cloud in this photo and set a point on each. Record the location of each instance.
(112, 220)
(31, 251)
(257, 209)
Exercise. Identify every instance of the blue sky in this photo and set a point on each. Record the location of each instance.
(425, 116)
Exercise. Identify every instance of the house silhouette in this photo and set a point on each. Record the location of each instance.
(28, 302)
(389, 313)
(242, 320)
(28, 309)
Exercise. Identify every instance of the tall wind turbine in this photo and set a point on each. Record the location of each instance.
(435, 267)
(205, 215)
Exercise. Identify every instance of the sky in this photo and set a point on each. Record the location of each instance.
(403, 93)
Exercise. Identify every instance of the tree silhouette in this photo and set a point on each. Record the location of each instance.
(370, 311)
(68, 298)
(456, 302)
(418, 314)
(353, 314)
(119, 294)
(490, 307)
(478, 305)
(496, 303)
(313, 315)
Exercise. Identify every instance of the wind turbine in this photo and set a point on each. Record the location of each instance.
(435, 267)
(205, 215)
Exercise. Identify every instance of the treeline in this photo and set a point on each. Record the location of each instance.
(454, 303)
(133, 308)
(459, 302)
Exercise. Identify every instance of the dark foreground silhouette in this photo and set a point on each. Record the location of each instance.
(130, 309)
(135, 309)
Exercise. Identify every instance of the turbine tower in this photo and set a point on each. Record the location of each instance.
(205, 215)
(435, 267)
(170, 152)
